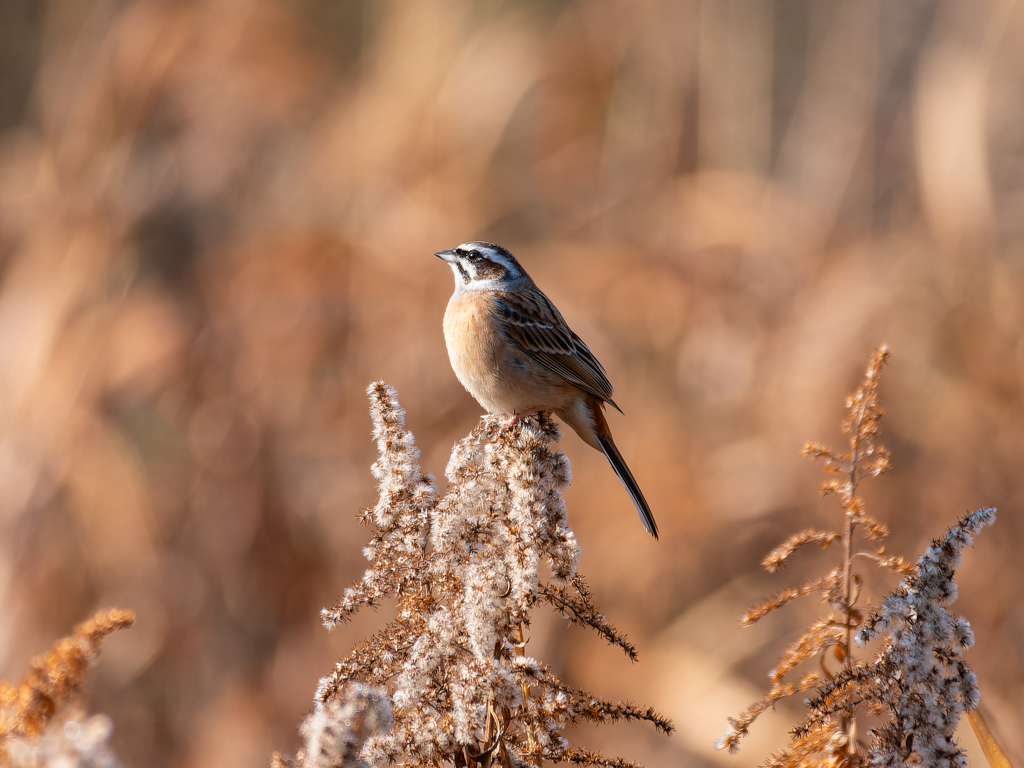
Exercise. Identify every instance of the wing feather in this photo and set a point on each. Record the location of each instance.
(537, 328)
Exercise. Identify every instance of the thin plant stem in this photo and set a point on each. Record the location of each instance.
(850, 722)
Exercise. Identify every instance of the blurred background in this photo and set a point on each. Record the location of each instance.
(216, 227)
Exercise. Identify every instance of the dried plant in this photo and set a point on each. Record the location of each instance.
(29, 710)
(336, 730)
(72, 739)
(466, 571)
(917, 679)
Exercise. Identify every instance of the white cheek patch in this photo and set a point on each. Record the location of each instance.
(490, 285)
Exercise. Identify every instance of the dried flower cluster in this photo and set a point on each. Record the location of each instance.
(71, 740)
(336, 730)
(918, 679)
(31, 733)
(466, 572)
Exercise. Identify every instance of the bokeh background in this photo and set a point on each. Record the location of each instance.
(216, 227)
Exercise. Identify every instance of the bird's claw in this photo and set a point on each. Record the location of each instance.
(515, 419)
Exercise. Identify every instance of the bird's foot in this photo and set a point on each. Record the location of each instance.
(515, 419)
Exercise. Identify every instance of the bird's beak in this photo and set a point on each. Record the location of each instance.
(448, 255)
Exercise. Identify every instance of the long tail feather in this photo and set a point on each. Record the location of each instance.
(619, 465)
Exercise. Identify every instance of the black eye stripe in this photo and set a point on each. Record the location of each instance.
(469, 254)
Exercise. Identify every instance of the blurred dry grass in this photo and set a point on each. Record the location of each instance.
(216, 221)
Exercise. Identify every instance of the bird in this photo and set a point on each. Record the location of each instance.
(512, 350)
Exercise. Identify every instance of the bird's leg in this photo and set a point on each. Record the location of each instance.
(515, 419)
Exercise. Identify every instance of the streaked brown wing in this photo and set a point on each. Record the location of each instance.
(537, 328)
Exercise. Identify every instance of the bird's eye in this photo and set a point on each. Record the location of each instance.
(474, 255)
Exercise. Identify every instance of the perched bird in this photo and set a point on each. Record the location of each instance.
(515, 354)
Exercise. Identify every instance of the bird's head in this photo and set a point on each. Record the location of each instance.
(482, 265)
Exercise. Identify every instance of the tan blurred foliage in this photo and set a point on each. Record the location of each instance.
(54, 678)
(216, 221)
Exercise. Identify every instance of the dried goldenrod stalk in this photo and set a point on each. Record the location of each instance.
(26, 710)
(918, 679)
(467, 571)
(336, 730)
(72, 739)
